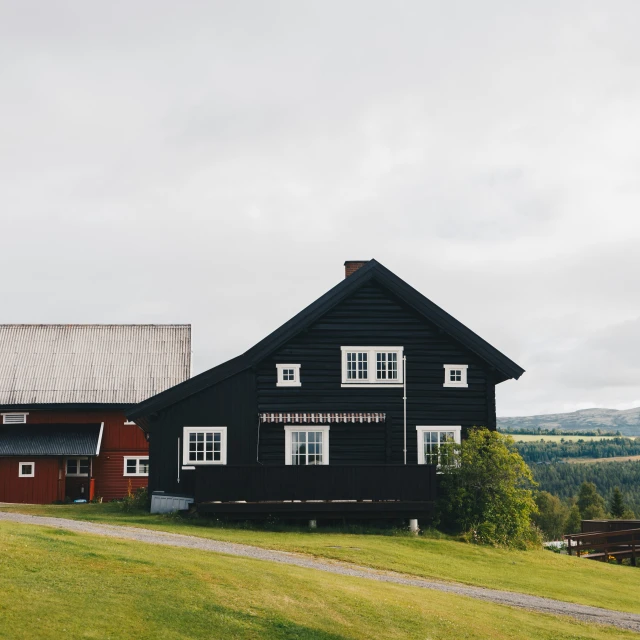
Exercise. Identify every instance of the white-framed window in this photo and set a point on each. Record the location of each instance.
(380, 366)
(14, 418)
(306, 445)
(204, 445)
(288, 375)
(136, 466)
(77, 467)
(455, 375)
(430, 441)
(26, 469)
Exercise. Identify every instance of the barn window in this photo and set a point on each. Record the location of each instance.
(204, 445)
(27, 469)
(77, 466)
(431, 441)
(136, 466)
(455, 375)
(372, 365)
(14, 418)
(306, 446)
(288, 375)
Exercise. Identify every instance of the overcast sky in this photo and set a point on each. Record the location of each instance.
(216, 162)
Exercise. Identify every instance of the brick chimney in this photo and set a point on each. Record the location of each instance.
(351, 266)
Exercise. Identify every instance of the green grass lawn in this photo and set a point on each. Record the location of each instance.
(60, 584)
(536, 572)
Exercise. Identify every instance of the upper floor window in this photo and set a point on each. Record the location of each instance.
(204, 445)
(372, 365)
(14, 418)
(432, 441)
(455, 375)
(305, 446)
(288, 375)
(77, 466)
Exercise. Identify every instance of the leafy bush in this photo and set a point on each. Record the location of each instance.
(486, 494)
(137, 500)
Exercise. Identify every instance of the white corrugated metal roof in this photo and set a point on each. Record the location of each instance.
(91, 363)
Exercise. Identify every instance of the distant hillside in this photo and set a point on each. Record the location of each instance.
(627, 422)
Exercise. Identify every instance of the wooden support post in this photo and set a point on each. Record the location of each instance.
(413, 526)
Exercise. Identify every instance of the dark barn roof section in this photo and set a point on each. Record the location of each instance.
(51, 440)
(372, 270)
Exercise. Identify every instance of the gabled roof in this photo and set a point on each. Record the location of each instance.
(46, 364)
(51, 440)
(373, 270)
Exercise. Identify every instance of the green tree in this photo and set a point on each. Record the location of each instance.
(617, 507)
(590, 502)
(552, 515)
(487, 492)
(574, 521)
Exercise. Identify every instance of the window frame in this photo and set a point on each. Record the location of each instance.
(15, 413)
(372, 367)
(448, 368)
(27, 475)
(137, 474)
(186, 431)
(421, 429)
(77, 459)
(281, 382)
(291, 428)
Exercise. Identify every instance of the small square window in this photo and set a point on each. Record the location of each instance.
(27, 469)
(288, 375)
(455, 375)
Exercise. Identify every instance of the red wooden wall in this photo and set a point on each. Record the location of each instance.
(46, 486)
(118, 440)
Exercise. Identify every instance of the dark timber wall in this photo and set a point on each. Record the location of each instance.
(373, 317)
(231, 404)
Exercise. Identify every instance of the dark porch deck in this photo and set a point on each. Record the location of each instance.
(318, 491)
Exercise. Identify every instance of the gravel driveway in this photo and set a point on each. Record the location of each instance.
(533, 603)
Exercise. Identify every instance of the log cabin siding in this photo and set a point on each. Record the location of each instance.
(373, 317)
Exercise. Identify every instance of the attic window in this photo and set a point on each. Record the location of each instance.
(455, 375)
(288, 375)
(14, 418)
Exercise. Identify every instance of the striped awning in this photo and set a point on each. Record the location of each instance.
(321, 418)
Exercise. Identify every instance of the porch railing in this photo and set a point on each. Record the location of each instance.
(257, 483)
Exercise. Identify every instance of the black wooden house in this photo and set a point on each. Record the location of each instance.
(339, 411)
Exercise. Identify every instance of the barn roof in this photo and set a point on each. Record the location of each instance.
(51, 440)
(44, 364)
(372, 271)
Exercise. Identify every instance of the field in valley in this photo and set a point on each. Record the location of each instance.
(550, 438)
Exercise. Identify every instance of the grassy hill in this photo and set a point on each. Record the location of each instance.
(432, 556)
(57, 584)
(627, 422)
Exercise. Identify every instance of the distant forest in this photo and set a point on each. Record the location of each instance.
(535, 453)
(539, 431)
(564, 480)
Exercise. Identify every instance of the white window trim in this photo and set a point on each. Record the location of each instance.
(185, 445)
(288, 383)
(137, 459)
(420, 429)
(75, 475)
(290, 428)
(447, 369)
(371, 379)
(15, 413)
(27, 475)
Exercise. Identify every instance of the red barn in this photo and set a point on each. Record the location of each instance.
(64, 391)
